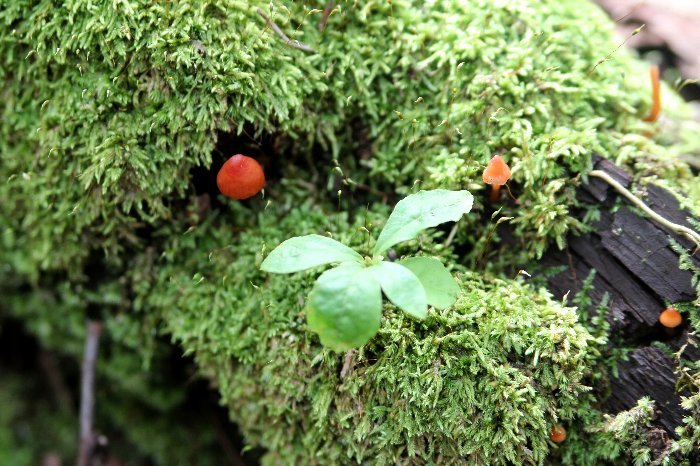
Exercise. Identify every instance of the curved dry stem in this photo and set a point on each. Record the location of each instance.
(291, 42)
(674, 227)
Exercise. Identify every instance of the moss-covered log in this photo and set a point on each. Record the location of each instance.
(116, 115)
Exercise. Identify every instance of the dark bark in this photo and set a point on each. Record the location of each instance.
(648, 372)
(636, 267)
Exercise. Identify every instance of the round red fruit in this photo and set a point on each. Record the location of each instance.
(240, 177)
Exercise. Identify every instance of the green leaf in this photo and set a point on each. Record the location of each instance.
(304, 252)
(422, 210)
(345, 307)
(402, 288)
(441, 289)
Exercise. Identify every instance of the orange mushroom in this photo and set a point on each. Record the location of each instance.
(497, 173)
(557, 434)
(670, 318)
(655, 95)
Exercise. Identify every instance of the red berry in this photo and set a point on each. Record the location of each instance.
(240, 177)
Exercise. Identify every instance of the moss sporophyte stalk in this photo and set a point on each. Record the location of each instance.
(345, 305)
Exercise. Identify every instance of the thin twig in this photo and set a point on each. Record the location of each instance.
(347, 364)
(291, 42)
(326, 14)
(674, 227)
(452, 234)
(87, 393)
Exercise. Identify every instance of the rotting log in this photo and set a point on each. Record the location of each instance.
(636, 267)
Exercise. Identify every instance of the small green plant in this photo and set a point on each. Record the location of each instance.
(345, 305)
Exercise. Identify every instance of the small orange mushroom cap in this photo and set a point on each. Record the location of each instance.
(557, 434)
(497, 171)
(670, 318)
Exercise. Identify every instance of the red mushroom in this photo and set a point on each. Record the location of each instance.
(240, 177)
(497, 173)
(670, 318)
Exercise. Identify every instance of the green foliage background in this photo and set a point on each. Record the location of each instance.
(111, 110)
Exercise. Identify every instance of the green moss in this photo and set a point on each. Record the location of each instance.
(621, 439)
(105, 114)
(108, 109)
(484, 380)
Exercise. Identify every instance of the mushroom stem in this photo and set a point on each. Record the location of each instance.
(655, 95)
(674, 227)
(495, 191)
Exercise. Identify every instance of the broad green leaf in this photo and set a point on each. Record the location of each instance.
(422, 210)
(345, 307)
(402, 288)
(304, 252)
(441, 289)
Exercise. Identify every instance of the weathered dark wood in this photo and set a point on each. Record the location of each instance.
(598, 190)
(661, 200)
(644, 250)
(648, 372)
(638, 271)
(628, 313)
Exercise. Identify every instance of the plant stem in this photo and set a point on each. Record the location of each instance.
(495, 190)
(347, 364)
(326, 13)
(291, 42)
(655, 95)
(452, 234)
(674, 227)
(87, 394)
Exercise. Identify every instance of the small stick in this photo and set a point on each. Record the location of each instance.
(87, 394)
(326, 14)
(292, 43)
(347, 364)
(574, 275)
(674, 227)
(451, 236)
